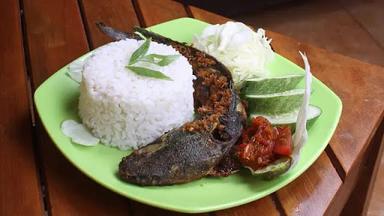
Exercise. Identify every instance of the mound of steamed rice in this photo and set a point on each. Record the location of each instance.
(126, 110)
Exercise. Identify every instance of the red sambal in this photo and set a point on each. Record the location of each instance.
(261, 143)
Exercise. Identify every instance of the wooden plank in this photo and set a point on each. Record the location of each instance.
(72, 193)
(323, 23)
(139, 209)
(116, 13)
(313, 191)
(19, 177)
(355, 203)
(264, 206)
(155, 12)
(369, 14)
(56, 36)
(360, 92)
(349, 199)
(232, 9)
(207, 16)
(375, 197)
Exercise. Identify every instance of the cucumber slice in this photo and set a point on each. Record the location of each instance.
(290, 118)
(277, 103)
(271, 85)
(274, 169)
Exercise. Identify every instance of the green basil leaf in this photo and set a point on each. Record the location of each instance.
(161, 60)
(140, 52)
(148, 72)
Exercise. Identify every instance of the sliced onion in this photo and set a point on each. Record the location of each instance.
(78, 133)
(75, 70)
(300, 137)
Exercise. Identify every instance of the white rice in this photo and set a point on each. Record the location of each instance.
(127, 110)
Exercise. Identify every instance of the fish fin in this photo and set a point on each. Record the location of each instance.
(114, 33)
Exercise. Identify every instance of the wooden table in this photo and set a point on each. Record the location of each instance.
(40, 36)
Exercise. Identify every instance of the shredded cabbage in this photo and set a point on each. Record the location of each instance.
(243, 51)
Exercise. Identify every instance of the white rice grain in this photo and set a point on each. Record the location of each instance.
(126, 110)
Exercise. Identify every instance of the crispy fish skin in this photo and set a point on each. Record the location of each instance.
(195, 149)
(159, 163)
(180, 156)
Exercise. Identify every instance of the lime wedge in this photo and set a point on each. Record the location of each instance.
(271, 84)
(274, 169)
(277, 103)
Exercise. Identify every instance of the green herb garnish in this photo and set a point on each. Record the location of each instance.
(140, 52)
(161, 60)
(156, 59)
(142, 71)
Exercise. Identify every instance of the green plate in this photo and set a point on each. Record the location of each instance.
(56, 100)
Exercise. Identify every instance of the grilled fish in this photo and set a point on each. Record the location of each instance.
(195, 149)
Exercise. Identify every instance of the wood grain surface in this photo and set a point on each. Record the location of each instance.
(264, 206)
(358, 84)
(155, 12)
(313, 191)
(369, 15)
(60, 31)
(19, 182)
(327, 24)
(56, 36)
(207, 16)
(116, 13)
(375, 199)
